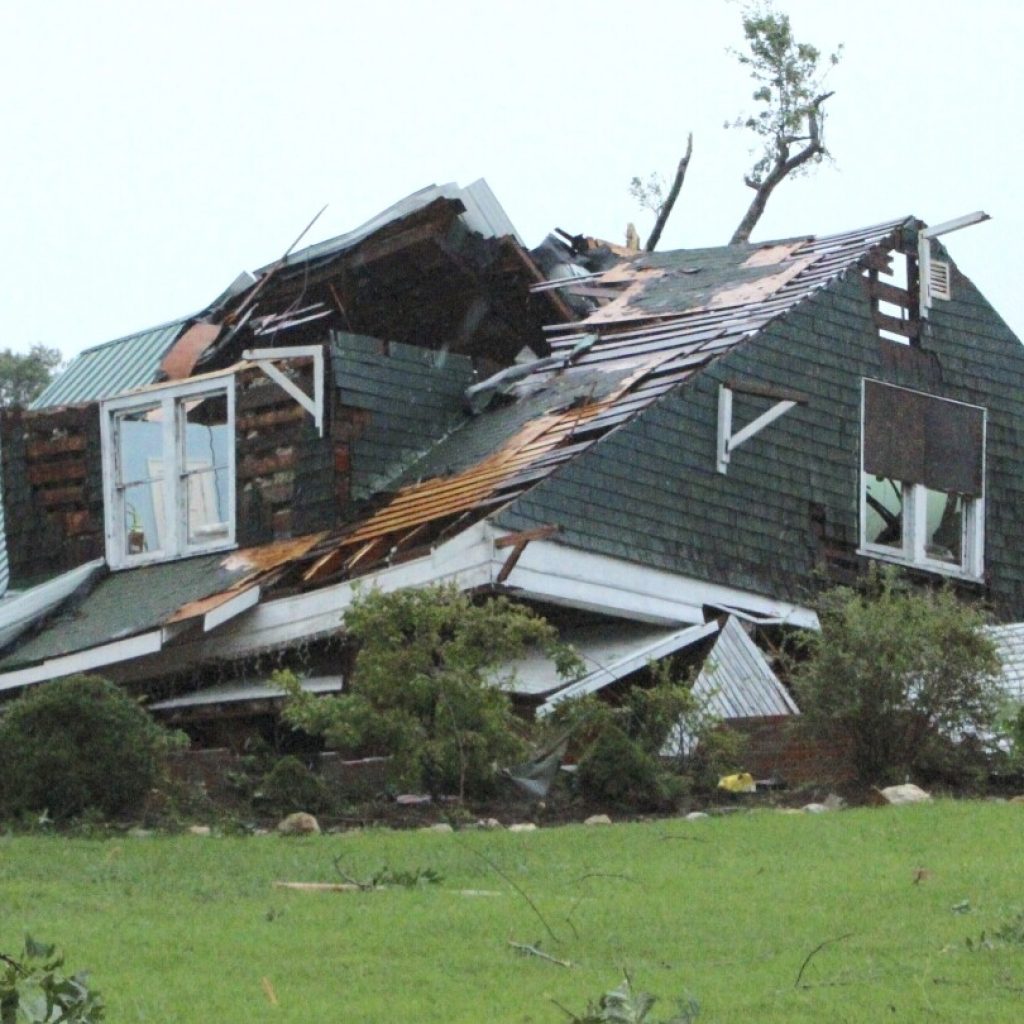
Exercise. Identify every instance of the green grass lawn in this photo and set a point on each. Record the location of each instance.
(185, 929)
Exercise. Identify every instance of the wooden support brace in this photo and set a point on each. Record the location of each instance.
(265, 358)
(518, 542)
(728, 442)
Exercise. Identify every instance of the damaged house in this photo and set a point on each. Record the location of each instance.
(664, 452)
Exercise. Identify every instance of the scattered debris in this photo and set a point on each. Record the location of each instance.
(742, 782)
(527, 950)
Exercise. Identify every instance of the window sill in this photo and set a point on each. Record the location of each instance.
(938, 568)
(159, 558)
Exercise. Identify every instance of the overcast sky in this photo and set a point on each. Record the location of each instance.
(152, 150)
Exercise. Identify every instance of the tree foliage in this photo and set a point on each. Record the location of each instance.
(789, 118)
(76, 744)
(24, 375)
(35, 990)
(905, 675)
(429, 686)
(788, 121)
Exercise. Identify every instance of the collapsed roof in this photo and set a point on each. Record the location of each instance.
(645, 325)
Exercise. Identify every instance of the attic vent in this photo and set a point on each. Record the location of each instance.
(939, 279)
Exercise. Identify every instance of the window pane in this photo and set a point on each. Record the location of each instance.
(205, 509)
(205, 470)
(883, 506)
(139, 445)
(944, 526)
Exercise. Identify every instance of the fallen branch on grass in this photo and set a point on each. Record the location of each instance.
(527, 950)
(817, 949)
(321, 886)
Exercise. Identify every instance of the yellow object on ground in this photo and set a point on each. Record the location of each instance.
(742, 782)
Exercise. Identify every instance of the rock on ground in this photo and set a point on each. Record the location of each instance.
(523, 826)
(598, 819)
(908, 793)
(299, 824)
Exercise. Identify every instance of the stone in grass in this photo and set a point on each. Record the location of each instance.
(298, 824)
(441, 826)
(489, 823)
(523, 826)
(199, 830)
(815, 808)
(1016, 800)
(598, 819)
(697, 816)
(908, 793)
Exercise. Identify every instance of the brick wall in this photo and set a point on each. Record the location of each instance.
(52, 490)
(779, 748)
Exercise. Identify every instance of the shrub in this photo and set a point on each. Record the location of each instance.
(906, 676)
(427, 687)
(74, 744)
(659, 743)
(35, 990)
(291, 786)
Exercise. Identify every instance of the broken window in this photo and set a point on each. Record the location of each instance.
(922, 480)
(169, 472)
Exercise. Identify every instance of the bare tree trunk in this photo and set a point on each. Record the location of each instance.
(784, 166)
(670, 199)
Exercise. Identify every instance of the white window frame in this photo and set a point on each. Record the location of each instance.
(174, 505)
(912, 551)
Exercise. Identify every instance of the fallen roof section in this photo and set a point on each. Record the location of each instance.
(234, 693)
(19, 611)
(1009, 641)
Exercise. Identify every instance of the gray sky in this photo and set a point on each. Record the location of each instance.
(153, 150)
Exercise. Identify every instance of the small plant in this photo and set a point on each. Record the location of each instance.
(78, 743)
(624, 1005)
(386, 876)
(291, 786)
(35, 990)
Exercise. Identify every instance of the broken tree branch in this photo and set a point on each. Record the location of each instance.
(527, 950)
(817, 949)
(783, 166)
(670, 199)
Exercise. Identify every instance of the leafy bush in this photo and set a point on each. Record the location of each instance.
(35, 990)
(625, 1005)
(74, 744)
(427, 689)
(906, 676)
(625, 752)
(291, 786)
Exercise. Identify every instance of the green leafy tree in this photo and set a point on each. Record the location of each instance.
(789, 121)
(24, 375)
(76, 744)
(35, 990)
(428, 686)
(906, 676)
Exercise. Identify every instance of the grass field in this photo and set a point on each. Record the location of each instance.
(186, 929)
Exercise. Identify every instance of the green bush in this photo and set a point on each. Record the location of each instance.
(291, 786)
(905, 676)
(76, 744)
(621, 749)
(427, 687)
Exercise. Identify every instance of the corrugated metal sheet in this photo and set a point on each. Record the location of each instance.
(1010, 647)
(483, 215)
(113, 367)
(739, 681)
(20, 610)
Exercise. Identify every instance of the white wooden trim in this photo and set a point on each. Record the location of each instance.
(229, 609)
(83, 661)
(263, 357)
(554, 572)
(728, 442)
(608, 674)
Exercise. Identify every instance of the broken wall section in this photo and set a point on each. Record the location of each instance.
(52, 490)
